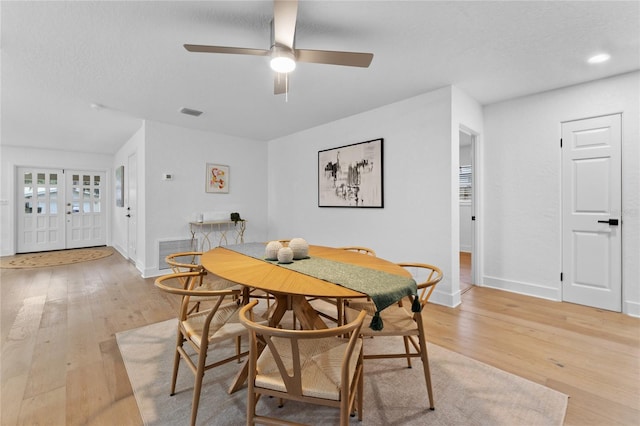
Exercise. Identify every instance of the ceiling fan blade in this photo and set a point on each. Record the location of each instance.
(349, 59)
(285, 13)
(280, 83)
(223, 49)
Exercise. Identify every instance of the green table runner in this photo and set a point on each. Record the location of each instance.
(383, 288)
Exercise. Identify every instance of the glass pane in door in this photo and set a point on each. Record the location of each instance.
(53, 200)
(42, 200)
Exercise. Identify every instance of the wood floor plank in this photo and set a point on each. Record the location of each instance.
(49, 361)
(12, 393)
(88, 400)
(47, 408)
(587, 408)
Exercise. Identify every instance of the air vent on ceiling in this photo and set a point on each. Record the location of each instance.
(190, 111)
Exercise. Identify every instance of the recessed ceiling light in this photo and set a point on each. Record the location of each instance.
(599, 58)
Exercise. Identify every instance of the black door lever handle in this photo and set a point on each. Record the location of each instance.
(611, 222)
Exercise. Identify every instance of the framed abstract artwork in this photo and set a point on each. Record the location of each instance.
(351, 175)
(217, 179)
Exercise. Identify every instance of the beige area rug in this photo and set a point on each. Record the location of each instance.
(466, 392)
(54, 258)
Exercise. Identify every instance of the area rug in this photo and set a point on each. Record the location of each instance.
(54, 258)
(466, 392)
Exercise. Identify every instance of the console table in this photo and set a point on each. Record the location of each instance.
(214, 233)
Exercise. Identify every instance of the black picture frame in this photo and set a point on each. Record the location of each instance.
(352, 175)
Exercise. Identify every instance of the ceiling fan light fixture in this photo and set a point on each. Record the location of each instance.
(282, 60)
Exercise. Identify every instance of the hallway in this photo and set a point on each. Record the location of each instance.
(465, 272)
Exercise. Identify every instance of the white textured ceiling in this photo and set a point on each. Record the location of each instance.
(60, 57)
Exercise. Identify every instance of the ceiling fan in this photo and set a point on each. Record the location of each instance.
(283, 53)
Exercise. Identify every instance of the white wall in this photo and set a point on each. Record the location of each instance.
(169, 206)
(13, 157)
(522, 185)
(416, 221)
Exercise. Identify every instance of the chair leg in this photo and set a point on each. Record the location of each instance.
(360, 395)
(202, 358)
(425, 365)
(345, 410)
(251, 405)
(176, 363)
(406, 350)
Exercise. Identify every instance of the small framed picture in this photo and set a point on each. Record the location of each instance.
(217, 179)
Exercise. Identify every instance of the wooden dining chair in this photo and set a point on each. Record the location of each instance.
(311, 366)
(320, 303)
(359, 249)
(189, 261)
(218, 323)
(399, 320)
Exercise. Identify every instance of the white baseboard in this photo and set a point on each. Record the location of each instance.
(631, 308)
(155, 272)
(445, 299)
(528, 289)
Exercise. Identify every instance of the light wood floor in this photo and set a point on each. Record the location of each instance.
(465, 272)
(61, 364)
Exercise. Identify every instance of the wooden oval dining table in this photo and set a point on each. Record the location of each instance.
(290, 288)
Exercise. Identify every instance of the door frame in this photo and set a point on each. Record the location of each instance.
(476, 197)
(15, 183)
(131, 203)
(620, 228)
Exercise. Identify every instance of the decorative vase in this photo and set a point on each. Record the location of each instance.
(300, 248)
(271, 251)
(285, 255)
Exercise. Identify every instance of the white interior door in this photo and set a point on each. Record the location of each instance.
(592, 206)
(85, 209)
(40, 213)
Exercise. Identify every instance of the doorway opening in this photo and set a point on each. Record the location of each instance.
(467, 208)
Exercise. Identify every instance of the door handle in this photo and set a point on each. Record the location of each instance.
(611, 222)
(128, 215)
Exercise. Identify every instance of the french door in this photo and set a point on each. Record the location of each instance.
(59, 209)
